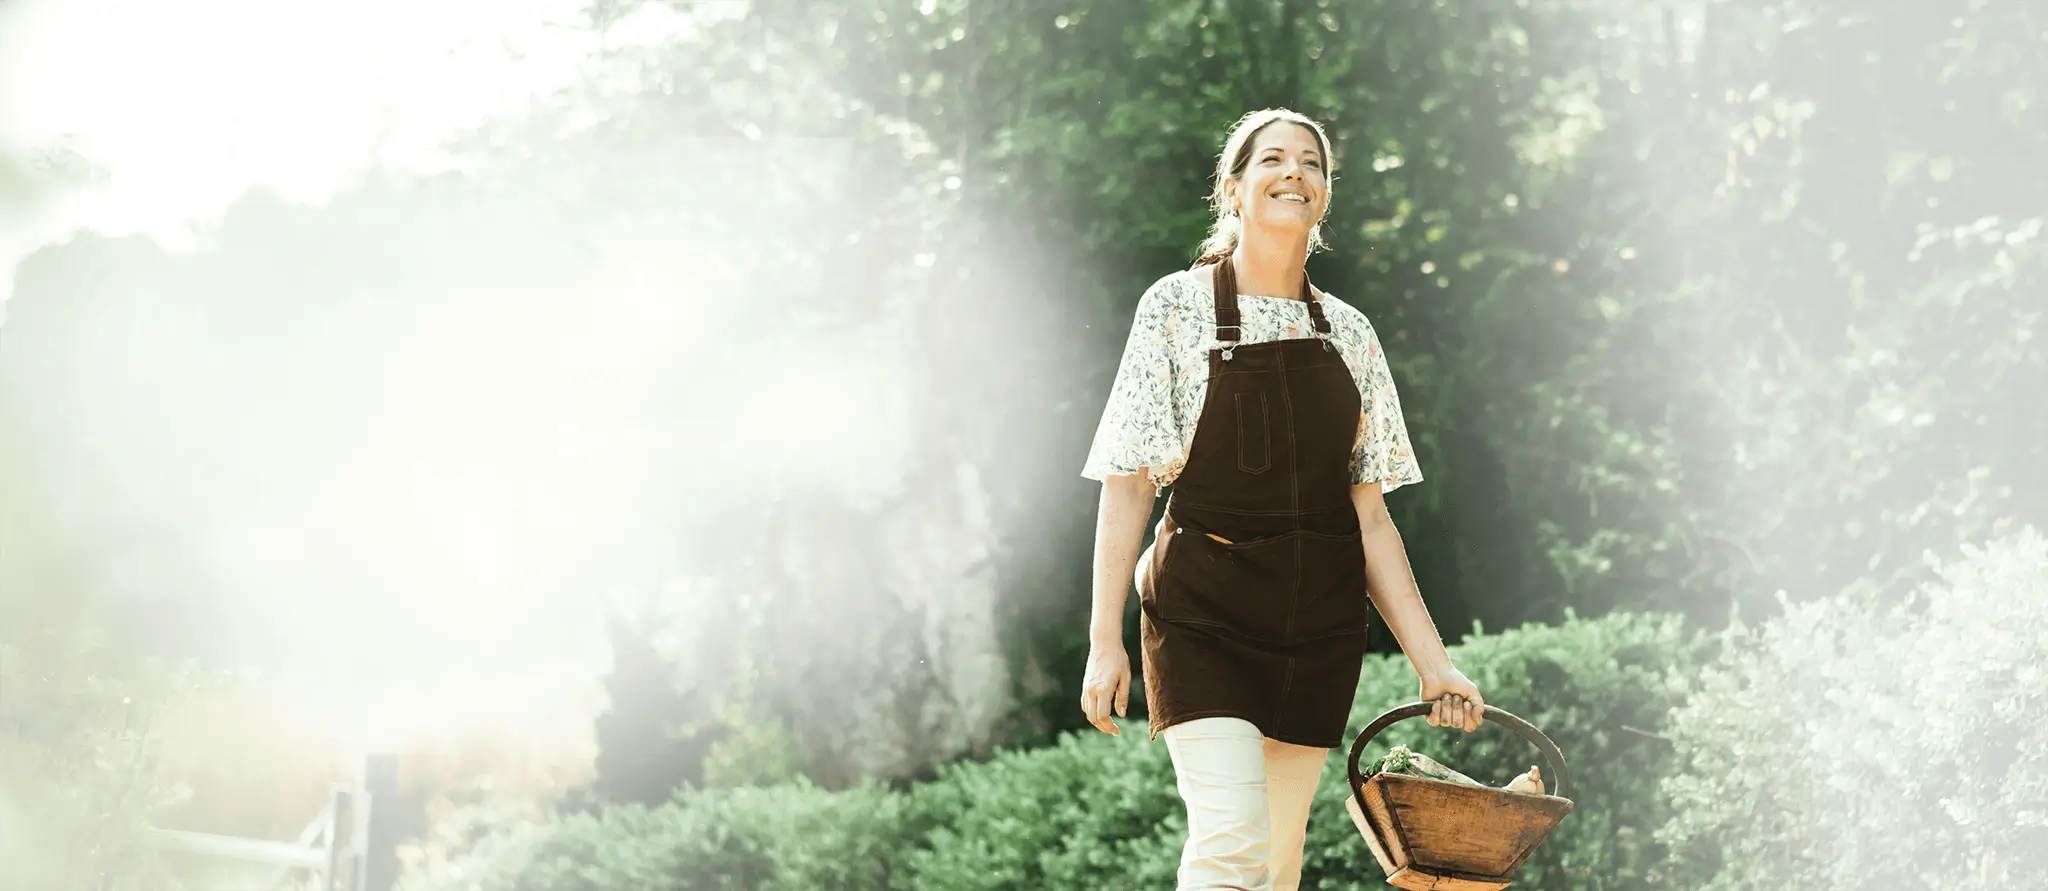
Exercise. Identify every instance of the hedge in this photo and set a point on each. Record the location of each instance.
(1095, 811)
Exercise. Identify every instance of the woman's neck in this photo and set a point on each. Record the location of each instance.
(1270, 266)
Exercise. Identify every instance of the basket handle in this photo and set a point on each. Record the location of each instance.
(1554, 766)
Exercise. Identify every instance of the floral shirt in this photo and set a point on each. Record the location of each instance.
(1150, 419)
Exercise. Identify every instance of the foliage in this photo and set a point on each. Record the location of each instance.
(795, 837)
(1835, 746)
(648, 746)
(1095, 812)
(1839, 746)
(760, 752)
(1089, 811)
(1839, 296)
(842, 221)
(1098, 811)
(79, 774)
(1687, 304)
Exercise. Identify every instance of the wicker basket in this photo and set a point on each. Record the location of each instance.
(1430, 834)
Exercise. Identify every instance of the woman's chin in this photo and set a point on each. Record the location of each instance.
(1297, 227)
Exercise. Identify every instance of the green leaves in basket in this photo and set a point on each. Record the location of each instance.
(1403, 760)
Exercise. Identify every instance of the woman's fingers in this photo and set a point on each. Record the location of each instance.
(1123, 697)
(1095, 704)
(1453, 710)
(1475, 711)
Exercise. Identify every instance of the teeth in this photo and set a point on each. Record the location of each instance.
(1298, 199)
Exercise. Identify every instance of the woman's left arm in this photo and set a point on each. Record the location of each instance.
(1390, 582)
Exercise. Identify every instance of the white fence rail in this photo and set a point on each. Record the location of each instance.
(351, 845)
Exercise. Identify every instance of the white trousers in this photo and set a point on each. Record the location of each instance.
(1247, 799)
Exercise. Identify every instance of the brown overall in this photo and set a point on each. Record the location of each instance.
(1269, 624)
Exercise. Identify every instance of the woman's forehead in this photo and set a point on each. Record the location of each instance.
(1286, 136)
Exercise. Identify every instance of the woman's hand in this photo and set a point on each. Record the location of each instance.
(1456, 697)
(1106, 684)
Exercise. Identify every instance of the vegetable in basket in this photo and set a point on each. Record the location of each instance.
(1530, 782)
(1403, 760)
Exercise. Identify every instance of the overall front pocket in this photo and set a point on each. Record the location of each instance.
(1330, 597)
(1242, 587)
(1279, 589)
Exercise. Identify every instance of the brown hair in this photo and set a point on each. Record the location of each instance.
(1237, 155)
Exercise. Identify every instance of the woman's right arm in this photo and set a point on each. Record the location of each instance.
(1139, 427)
(1119, 533)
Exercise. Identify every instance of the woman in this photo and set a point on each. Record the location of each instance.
(1267, 406)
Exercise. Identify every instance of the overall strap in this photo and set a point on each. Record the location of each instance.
(1228, 323)
(1224, 285)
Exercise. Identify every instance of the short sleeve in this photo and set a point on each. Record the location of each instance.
(1140, 427)
(1382, 451)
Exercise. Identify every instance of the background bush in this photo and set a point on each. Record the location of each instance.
(780, 838)
(1095, 811)
(1843, 747)
(1092, 811)
(1836, 746)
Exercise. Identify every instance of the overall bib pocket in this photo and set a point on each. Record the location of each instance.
(1254, 433)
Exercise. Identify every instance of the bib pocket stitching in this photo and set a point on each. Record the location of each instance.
(1263, 435)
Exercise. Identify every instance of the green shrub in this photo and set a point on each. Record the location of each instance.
(1101, 812)
(1092, 811)
(793, 837)
(1840, 746)
(1098, 812)
(81, 774)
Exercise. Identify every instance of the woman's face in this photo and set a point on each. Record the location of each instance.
(1283, 186)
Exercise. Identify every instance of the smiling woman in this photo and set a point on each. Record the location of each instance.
(1307, 143)
(1266, 405)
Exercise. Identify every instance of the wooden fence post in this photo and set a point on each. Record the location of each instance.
(378, 848)
(340, 819)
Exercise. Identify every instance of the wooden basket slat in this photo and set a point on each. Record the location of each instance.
(1471, 829)
(1414, 879)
